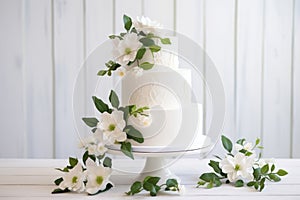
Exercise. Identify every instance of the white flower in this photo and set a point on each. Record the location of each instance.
(182, 189)
(112, 126)
(248, 147)
(238, 166)
(137, 71)
(121, 71)
(94, 144)
(73, 180)
(97, 177)
(125, 50)
(146, 25)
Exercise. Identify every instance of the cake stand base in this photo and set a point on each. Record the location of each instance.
(157, 166)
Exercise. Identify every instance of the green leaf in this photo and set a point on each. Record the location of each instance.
(85, 157)
(272, 167)
(146, 65)
(209, 177)
(100, 105)
(257, 173)
(125, 113)
(227, 144)
(90, 121)
(257, 141)
(66, 169)
(135, 188)
(114, 100)
(152, 179)
(282, 172)
(58, 181)
(172, 183)
(150, 187)
(241, 141)
(73, 161)
(134, 134)
(201, 183)
(126, 149)
(239, 183)
(57, 191)
(215, 166)
(101, 73)
(165, 41)
(127, 22)
(251, 183)
(248, 153)
(155, 48)
(210, 185)
(107, 162)
(140, 53)
(274, 177)
(265, 169)
(262, 184)
(147, 42)
(256, 185)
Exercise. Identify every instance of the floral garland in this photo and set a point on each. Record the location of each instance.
(240, 165)
(93, 174)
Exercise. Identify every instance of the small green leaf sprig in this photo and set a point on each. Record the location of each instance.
(261, 172)
(150, 184)
(149, 41)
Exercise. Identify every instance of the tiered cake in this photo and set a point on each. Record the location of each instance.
(166, 90)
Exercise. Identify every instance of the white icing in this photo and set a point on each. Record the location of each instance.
(158, 89)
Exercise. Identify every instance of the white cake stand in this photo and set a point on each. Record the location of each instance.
(156, 164)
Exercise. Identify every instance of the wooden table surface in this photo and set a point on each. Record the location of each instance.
(33, 179)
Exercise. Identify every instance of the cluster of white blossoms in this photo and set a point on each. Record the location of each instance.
(92, 180)
(241, 167)
(125, 49)
(109, 131)
(242, 163)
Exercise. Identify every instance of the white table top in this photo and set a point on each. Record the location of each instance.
(33, 179)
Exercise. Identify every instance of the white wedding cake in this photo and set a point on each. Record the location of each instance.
(166, 90)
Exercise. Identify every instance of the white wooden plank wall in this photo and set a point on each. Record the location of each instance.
(255, 45)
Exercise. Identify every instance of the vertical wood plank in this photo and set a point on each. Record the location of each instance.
(190, 22)
(69, 47)
(99, 25)
(249, 68)
(161, 11)
(12, 143)
(219, 31)
(38, 78)
(296, 83)
(189, 19)
(277, 78)
(132, 8)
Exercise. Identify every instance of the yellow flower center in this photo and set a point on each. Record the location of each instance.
(74, 179)
(127, 51)
(111, 127)
(237, 167)
(121, 73)
(99, 180)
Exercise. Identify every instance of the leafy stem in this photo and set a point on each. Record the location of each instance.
(150, 184)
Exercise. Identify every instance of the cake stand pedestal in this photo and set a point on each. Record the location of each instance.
(156, 158)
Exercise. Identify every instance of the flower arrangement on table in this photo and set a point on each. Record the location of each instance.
(92, 173)
(239, 165)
